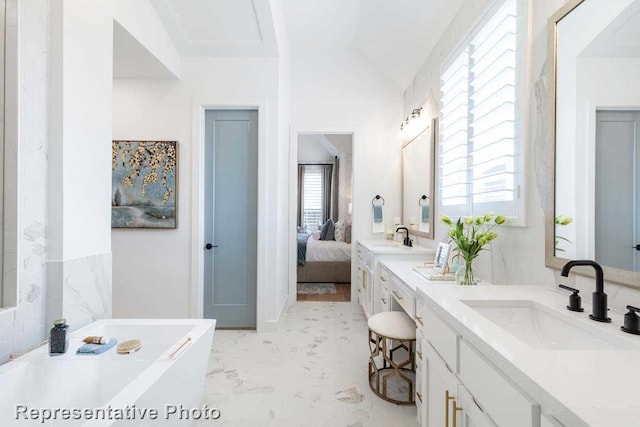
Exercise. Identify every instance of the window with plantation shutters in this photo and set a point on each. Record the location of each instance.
(454, 135)
(312, 197)
(481, 118)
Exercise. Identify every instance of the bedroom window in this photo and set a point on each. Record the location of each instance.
(481, 115)
(315, 195)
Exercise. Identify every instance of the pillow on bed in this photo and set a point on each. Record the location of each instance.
(347, 234)
(341, 231)
(328, 231)
(316, 235)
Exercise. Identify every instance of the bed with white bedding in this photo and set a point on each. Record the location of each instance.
(326, 261)
(327, 250)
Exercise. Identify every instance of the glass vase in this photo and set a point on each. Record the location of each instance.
(464, 275)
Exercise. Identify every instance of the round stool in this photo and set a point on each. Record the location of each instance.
(385, 330)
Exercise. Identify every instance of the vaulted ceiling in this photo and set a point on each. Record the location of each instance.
(394, 36)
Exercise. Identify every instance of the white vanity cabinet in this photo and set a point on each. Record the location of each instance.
(441, 391)
(375, 289)
(446, 401)
(365, 280)
(471, 371)
(470, 415)
(359, 280)
(463, 389)
(382, 298)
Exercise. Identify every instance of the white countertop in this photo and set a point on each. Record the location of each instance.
(582, 387)
(390, 247)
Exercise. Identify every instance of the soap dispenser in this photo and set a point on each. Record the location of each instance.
(59, 338)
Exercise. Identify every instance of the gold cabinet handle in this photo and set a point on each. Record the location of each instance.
(456, 408)
(384, 301)
(359, 290)
(419, 353)
(448, 397)
(383, 279)
(419, 320)
(397, 295)
(419, 396)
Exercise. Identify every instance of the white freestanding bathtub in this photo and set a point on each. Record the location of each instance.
(99, 390)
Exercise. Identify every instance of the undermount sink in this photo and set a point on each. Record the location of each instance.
(384, 244)
(544, 328)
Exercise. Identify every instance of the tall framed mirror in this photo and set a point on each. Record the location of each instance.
(593, 205)
(418, 164)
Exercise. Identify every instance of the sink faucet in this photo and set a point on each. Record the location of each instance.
(407, 241)
(599, 311)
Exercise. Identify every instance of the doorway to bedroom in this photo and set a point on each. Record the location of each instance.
(324, 209)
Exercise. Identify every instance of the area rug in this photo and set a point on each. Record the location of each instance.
(317, 288)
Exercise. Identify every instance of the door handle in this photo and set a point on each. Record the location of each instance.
(448, 397)
(209, 246)
(637, 247)
(456, 408)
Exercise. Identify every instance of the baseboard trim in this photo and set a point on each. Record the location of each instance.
(273, 326)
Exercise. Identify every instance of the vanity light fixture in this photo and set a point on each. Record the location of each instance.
(406, 127)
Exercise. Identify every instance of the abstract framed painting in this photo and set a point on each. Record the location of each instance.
(144, 183)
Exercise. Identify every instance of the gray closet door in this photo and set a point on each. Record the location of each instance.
(231, 210)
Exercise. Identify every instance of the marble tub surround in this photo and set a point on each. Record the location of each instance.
(594, 387)
(79, 290)
(312, 373)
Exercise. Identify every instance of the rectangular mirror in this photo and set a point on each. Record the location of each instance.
(594, 212)
(417, 182)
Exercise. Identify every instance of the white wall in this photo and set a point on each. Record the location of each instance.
(82, 55)
(79, 244)
(517, 256)
(152, 268)
(341, 90)
(279, 297)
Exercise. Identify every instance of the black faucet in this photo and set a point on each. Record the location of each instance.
(407, 240)
(599, 312)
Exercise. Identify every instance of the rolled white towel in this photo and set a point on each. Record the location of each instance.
(96, 340)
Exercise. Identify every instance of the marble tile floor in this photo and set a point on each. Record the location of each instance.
(313, 372)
